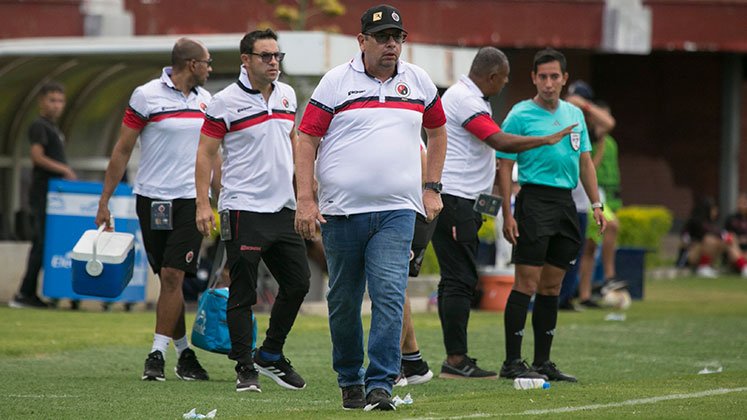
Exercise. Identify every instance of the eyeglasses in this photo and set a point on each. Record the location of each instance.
(267, 57)
(383, 37)
(209, 61)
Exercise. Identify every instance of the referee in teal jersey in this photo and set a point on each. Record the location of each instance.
(544, 230)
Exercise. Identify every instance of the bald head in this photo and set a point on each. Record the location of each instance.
(186, 49)
(488, 60)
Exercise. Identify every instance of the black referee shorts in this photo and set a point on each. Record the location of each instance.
(548, 227)
(177, 248)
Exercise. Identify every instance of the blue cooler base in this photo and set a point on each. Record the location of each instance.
(630, 266)
(109, 284)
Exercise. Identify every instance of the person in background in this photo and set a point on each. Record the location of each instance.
(736, 226)
(48, 158)
(705, 242)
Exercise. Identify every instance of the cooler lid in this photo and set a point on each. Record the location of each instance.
(112, 247)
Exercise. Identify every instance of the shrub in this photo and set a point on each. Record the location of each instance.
(644, 227)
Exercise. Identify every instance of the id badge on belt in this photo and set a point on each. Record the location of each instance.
(161, 215)
(488, 204)
(225, 225)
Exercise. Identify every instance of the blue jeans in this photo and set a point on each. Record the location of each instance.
(373, 247)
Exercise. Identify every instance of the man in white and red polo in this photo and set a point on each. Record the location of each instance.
(365, 118)
(469, 170)
(254, 120)
(166, 114)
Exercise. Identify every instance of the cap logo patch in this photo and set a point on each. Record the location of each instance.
(402, 89)
(395, 16)
(190, 255)
(376, 17)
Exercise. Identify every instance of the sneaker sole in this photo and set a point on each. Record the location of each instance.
(402, 382)
(420, 379)
(153, 378)
(277, 379)
(187, 378)
(252, 388)
(457, 376)
(371, 407)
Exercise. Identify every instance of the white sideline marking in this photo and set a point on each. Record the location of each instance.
(40, 396)
(640, 401)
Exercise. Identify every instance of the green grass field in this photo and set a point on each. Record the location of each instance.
(64, 364)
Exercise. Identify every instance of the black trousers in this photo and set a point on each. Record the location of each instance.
(455, 242)
(272, 238)
(36, 254)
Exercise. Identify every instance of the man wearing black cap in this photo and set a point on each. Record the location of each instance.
(369, 112)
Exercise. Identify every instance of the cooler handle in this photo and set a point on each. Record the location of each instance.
(95, 267)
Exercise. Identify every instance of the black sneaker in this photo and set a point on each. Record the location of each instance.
(416, 372)
(154, 367)
(379, 399)
(280, 371)
(188, 368)
(401, 379)
(353, 397)
(467, 369)
(518, 368)
(553, 373)
(589, 304)
(247, 378)
(23, 301)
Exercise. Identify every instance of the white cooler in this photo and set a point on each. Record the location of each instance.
(103, 263)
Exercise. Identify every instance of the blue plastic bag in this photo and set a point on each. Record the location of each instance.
(210, 330)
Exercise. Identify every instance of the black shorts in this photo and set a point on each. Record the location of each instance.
(420, 239)
(548, 227)
(177, 248)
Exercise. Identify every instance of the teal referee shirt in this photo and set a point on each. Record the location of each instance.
(556, 165)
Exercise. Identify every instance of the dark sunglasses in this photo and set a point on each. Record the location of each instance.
(383, 37)
(209, 61)
(267, 57)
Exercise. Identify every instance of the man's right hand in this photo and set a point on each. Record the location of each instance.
(554, 138)
(510, 229)
(69, 174)
(205, 219)
(307, 216)
(103, 215)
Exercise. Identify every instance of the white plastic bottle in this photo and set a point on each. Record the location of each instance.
(531, 383)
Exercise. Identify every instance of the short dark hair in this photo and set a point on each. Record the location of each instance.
(247, 42)
(51, 86)
(185, 49)
(487, 60)
(549, 55)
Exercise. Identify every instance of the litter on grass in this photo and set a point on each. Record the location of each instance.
(193, 414)
(614, 316)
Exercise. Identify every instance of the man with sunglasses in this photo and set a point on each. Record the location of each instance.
(365, 118)
(253, 119)
(166, 115)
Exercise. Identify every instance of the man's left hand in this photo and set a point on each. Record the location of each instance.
(601, 221)
(432, 204)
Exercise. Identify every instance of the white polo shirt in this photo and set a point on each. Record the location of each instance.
(369, 156)
(257, 172)
(169, 125)
(469, 168)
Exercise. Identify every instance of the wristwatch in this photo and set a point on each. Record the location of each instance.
(597, 205)
(435, 186)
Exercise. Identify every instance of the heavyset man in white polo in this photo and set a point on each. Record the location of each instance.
(365, 118)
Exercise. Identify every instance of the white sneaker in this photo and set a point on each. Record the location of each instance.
(706, 271)
(744, 272)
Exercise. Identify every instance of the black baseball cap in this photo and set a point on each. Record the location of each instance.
(582, 89)
(379, 18)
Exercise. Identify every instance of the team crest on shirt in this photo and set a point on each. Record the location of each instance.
(203, 106)
(285, 102)
(402, 89)
(188, 258)
(576, 141)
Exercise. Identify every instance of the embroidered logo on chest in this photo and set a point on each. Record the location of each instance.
(576, 141)
(402, 89)
(285, 102)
